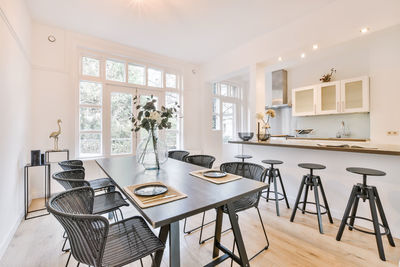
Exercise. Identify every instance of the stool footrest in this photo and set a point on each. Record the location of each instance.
(272, 193)
(387, 230)
(311, 212)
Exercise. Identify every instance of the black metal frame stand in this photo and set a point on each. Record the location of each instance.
(311, 181)
(26, 189)
(47, 154)
(273, 174)
(366, 192)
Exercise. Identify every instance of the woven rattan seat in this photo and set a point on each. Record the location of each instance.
(93, 240)
(201, 160)
(108, 202)
(178, 154)
(129, 241)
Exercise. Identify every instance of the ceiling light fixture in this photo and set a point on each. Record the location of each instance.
(364, 30)
(279, 58)
(315, 46)
(303, 55)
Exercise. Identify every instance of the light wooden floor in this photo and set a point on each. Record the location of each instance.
(38, 243)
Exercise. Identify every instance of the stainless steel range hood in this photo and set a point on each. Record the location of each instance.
(278, 95)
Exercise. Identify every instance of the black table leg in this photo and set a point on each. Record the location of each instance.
(217, 235)
(163, 237)
(174, 245)
(237, 235)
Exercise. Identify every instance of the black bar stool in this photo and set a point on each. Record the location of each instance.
(365, 192)
(311, 181)
(243, 157)
(273, 174)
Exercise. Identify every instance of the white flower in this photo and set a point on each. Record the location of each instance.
(155, 115)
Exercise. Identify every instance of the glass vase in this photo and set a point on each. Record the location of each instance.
(151, 152)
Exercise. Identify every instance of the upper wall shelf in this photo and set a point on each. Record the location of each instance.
(338, 97)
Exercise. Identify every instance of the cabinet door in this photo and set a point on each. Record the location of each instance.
(304, 101)
(355, 95)
(328, 98)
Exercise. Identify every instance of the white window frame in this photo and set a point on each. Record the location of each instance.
(106, 113)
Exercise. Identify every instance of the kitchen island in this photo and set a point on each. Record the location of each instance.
(326, 144)
(337, 181)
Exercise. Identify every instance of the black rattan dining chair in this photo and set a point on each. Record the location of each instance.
(96, 242)
(178, 154)
(205, 161)
(108, 202)
(96, 184)
(250, 171)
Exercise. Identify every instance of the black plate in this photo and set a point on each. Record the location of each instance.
(151, 190)
(214, 174)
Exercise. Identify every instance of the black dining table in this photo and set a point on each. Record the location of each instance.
(202, 195)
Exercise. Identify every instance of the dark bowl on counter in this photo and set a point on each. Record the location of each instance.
(245, 136)
(263, 137)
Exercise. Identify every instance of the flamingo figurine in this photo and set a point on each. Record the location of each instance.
(56, 134)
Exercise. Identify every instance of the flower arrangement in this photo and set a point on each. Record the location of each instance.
(270, 113)
(150, 119)
(328, 76)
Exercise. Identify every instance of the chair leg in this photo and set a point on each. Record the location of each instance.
(375, 220)
(69, 257)
(298, 198)
(353, 213)
(201, 228)
(328, 210)
(141, 262)
(122, 215)
(276, 194)
(317, 206)
(63, 249)
(383, 217)
(353, 195)
(283, 189)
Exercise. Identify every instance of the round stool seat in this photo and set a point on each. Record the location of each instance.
(311, 166)
(272, 162)
(366, 171)
(243, 156)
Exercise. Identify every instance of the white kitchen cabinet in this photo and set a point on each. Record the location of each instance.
(304, 101)
(328, 98)
(355, 95)
(338, 97)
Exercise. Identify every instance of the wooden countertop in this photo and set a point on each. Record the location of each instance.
(327, 145)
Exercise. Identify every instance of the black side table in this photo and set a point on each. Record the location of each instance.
(47, 154)
(46, 189)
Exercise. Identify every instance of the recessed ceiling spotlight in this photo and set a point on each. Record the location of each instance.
(303, 55)
(315, 46)
(364, 30)
(279, 58)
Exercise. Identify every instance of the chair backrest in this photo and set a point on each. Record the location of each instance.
(71, 164)
(71, 179)
(178, 154)
(205, 161)
(87, 233)
(250, 171)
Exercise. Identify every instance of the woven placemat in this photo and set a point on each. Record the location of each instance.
(147, 202)
(228, 178)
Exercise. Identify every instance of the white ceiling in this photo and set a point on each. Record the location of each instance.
(191, 30)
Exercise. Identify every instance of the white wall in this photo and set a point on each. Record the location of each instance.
(15, 93)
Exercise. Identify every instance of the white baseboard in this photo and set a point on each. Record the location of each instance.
(6, 241)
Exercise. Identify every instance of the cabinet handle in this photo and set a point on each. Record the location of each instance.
(338, 108)
(342, 106)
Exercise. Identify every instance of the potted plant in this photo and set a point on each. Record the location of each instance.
(264, 118)
(151, 152)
